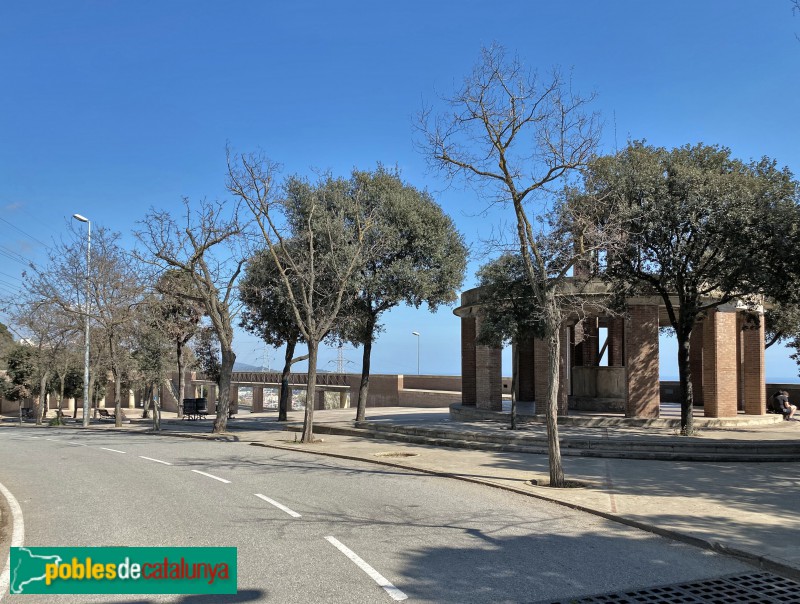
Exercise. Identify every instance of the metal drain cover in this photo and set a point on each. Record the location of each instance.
(756, 588)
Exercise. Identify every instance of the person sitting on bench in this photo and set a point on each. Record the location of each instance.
(786, 407)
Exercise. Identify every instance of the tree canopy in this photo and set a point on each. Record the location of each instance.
(702, 229)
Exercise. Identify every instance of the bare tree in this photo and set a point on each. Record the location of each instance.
(179, 318)
(326, 225)
(516, 136)
(114, 291)
(203, 247)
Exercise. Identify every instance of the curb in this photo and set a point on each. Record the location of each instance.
(750, 558)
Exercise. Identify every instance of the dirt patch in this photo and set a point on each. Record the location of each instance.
(396, 454)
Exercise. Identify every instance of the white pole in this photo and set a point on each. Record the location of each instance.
(86, 393)
(416, 333)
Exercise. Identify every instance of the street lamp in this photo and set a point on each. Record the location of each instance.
(416, 333)
(86, 329)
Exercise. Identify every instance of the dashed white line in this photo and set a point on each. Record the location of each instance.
(72, 442)
(17, 536)
(166, 463)
(114, 450)
(280, 506)
(212, 476)
(395, 593)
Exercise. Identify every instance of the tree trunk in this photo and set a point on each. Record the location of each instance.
(364, 387)
(60, 411)
(156, 409)
(117, 399)
(181, 379)
(224, 398)
(685, 376)
(553, 446)
(311, 391)
(514, 382)
(286, 393)
(146, 403)
(41, 406)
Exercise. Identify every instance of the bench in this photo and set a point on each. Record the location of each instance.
(195, 408)
(104, 414)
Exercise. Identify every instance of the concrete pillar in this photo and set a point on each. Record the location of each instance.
(696, 362)
(753, 369)
(469, 393)
(258, 399)
(641, 361)
(616, 340)
(211, 396)
(720, 384)
(525, 370)
(234, 399)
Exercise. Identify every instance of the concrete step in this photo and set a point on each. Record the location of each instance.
(682, 449)
(654, 443)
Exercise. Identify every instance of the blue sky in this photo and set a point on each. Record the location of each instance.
(109, 108)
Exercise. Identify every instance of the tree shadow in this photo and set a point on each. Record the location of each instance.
(542, 567)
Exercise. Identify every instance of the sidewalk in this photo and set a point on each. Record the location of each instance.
(745, 508)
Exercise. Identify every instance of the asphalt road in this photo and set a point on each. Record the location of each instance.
(434, 539)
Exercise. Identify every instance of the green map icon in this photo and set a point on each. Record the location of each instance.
(27, 568)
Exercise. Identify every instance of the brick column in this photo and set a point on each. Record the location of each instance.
(468, 385)
(696, 362)
(541, 354)
(488, 375)
(753, 369)
(591, 342)
(577, 344)
(641, 361)
(258, 399)
(525, 372)
(616, 339)
(720, 385)
(564, 372)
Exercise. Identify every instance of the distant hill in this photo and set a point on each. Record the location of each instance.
(237, 366)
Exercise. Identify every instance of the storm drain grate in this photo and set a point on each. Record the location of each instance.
(757, 588)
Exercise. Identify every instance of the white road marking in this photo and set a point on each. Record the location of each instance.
(280, 506)
(53, 439)
(212, 476)
(114, 450)
(72, 442)
(395, 593)
(17, 536)
(166, 463)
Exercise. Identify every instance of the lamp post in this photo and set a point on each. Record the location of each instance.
(416, 333)
(86, 328)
